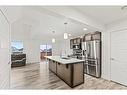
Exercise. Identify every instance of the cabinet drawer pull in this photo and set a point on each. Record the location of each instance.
(66, 66)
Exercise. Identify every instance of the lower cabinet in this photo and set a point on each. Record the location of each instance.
(64, 72)
(52, 66)
(78, 74)
(72, 74)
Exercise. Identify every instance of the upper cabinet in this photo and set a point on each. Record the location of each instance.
(78, 40)
(96, 36)
(71, 43)
(92, 36)
(75, 41)
(87, 37)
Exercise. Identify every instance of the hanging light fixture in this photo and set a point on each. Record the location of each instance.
(65, 34)
(53, 39)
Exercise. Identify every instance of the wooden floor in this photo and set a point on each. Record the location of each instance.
(37, 76)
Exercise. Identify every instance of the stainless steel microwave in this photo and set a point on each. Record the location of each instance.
(76, 46)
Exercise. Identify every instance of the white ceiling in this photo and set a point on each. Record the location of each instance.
(12, 13)
(104, 14)
(42, 22)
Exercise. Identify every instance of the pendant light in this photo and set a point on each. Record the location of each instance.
(65, 34)
(53, 39)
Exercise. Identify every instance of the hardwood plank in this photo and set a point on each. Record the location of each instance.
(38, 76)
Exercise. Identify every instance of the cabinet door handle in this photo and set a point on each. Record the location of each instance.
(67, 66)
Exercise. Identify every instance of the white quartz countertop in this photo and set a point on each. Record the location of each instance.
(64, 61)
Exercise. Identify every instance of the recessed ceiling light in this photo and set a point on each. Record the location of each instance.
(85, 29)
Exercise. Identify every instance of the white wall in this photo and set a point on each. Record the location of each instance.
(4, 52)
(113, 27)
(106, 55)
(61, 46)
(21, 32)
(32, 51)
(56, 49)
(65, 47)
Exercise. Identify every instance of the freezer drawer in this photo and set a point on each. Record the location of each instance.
(93, 70)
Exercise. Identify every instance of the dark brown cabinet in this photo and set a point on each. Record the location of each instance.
(75, 41)
(72, 74)
(78, 40)
(92, 36)
(96, 36)
(64, 72)
(87, 37)
(52, 66)
(71, 43)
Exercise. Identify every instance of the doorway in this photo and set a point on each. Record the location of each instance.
(119, 57)
(45, 50)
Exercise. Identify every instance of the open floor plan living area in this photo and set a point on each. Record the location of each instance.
(63, 47)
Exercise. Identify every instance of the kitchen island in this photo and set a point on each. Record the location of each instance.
(70, 70)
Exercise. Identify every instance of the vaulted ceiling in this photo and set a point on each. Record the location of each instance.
(104, 14)
(38, 22)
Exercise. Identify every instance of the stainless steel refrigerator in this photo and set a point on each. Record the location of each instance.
(92, 56)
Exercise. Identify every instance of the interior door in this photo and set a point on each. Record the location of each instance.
(119, 57)
(4, 53)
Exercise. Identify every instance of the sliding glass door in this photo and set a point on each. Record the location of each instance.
(45, 50)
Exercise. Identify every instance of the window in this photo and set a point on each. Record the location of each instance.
(17, 47)
(45, 50)
(49, 48)
(42, 48)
